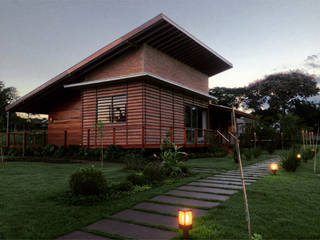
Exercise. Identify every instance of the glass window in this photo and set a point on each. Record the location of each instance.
(112, 109)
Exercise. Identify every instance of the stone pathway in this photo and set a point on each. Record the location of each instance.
(144, 219)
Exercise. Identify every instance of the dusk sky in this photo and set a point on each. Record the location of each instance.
(40, 39)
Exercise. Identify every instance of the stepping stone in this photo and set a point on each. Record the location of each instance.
(185, 201)
(130, 230)
(75, 235)
(235, 176)
(145, 217)
(207, 189)
(231, 179)
(205, 184)
(204, 169)
(198, 195)
(164, 208)
(238, 183)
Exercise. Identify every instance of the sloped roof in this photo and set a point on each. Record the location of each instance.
(161, 33)
(237, 112)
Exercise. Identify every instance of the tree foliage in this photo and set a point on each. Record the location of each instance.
(228, 96)
(7, 96)
(281, 91)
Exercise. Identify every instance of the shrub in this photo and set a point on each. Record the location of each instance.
(137, 179)
(122, 187)
(271, 147)
(134, 161)
(256, 152)
(113, 153)
(48, 150)
(307, 154)
(153, 172)
(61, 151)
(290, 162)
(88, 181)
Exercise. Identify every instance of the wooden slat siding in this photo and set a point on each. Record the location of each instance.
(164, 110)
(66, 116)
(123, 134)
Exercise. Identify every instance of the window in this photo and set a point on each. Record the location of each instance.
(112, 109)
(195, 117)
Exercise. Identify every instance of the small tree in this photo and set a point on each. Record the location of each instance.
(99, 128)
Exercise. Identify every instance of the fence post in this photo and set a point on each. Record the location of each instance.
(205, 136)
(24, 142)
(171, 134)
(43, 140)
(88, 138)
(142, 137)
(8, 139)
(65, 137)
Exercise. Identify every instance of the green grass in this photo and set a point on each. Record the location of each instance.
(223, 163)
(32, 205)
(285, 206)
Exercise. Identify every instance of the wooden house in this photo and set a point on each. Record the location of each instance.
(151, 81)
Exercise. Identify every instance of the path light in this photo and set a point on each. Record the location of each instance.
(185, 221)
(298, 155)
(274, 167)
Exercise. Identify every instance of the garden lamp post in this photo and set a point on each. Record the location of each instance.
(274, 167)
(185, 221)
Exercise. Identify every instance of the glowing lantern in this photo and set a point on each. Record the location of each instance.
(185, 221)
(274, 167)
(298, 155)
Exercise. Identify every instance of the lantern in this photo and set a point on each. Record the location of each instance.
(298, 155)
(274, 167)
(185, 221)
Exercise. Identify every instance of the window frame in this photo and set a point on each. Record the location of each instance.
(112, 113)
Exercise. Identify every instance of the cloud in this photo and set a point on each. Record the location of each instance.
(313, 61)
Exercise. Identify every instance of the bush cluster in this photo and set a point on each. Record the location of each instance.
(88, 181)
(134, 161)
(290, 161)
(307, 154)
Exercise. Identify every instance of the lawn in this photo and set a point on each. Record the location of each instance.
(223, 163)
(32, 204)
(285, 206)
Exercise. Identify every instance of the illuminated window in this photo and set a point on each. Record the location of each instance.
(112, 109)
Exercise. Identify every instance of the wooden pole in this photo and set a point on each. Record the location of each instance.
(24, 142)
(315, 153)
(2, 158)
(255, 139)
(302, 133)
(234, 135)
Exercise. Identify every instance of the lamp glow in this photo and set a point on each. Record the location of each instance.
(298, 155)
(185, 221)
(274, 167)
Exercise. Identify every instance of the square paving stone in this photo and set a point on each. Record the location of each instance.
(198, 195)
(164, 208)
(231, 179)
(75, 235)
(130, 230)
(217, 185)
(238, 183)
(145, 217)
(186, 201)
(235, 177)
(207, 189)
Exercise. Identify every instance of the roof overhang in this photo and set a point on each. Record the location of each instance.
(229, 110)
(144, 75)
(160, 32)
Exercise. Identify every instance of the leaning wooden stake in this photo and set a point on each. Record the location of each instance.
(2, 158)
(304, 146)
(234, 135)
(315, 153)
